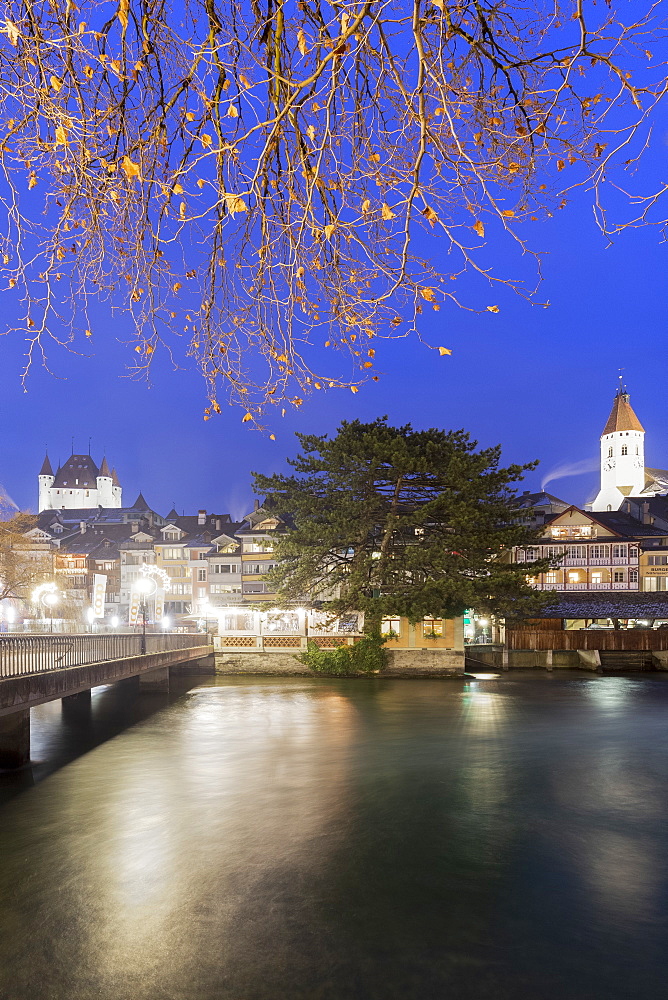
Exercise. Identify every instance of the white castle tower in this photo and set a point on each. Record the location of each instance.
(78, 485)
(622, 456)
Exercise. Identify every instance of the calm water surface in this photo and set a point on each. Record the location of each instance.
(266, 839)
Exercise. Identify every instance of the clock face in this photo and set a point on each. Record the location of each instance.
(609, 464)
(638, 464)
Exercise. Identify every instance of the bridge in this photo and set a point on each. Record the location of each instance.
(36, 669)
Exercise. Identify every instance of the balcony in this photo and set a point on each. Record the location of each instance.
(571, 561)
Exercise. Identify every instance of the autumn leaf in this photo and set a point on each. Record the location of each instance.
(201, 182)
(508, 212)
(235, 204)
(246, 417)
(375, 157)
(444, 350)
(56, 83)
(429, 294)
(310, 131)
(176, 286)
(177, 189)
(61, 136)
(301, 42)
(560, 164)
(387, 212)
(492, 309)
(329, 230)
(205, 139)
(479, 227)
(354, 388)
(32, 182)
(272, 437)
(430, 215)
(232, 111)
(366, 206)
(11, 31)
(182, 210)
(130, 169)
(89, 333)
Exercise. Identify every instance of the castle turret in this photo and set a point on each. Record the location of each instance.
(45, 480)
(116, 489)
(105, 495)
(622, 455)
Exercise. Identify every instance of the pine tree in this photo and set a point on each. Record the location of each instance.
(392, 521)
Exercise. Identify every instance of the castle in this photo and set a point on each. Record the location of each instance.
(623, 470)
(78, 484)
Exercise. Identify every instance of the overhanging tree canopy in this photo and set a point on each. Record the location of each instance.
(248, 180)
(393, 521)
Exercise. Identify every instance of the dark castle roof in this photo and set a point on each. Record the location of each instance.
(46, 469)
(104, 469)
(77, 467)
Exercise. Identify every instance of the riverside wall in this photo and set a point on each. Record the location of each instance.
(400, 663)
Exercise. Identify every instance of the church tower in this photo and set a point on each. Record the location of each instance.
(622, 455)
(45, 481)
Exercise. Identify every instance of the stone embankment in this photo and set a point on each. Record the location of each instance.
(400, 663)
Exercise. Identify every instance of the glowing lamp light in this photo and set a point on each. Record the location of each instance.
(144, 585)
(483, 622)
(10, 615)
(50, 599)
(114, 621)
(166, 623)
(90, 615)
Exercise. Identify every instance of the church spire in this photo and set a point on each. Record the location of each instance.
(622, 416)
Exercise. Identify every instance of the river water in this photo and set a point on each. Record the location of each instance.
(266, 839)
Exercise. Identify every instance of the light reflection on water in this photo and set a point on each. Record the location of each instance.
(326, 839)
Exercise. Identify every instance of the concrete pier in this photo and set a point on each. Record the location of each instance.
(155, 681)
(15, 739)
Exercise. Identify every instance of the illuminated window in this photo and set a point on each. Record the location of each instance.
(619, 576)
(434, 626)
(625, 449)
(610, 452)
(550, 577)
(597, 578)
(633, 576)
(390, 625)
(573, 577)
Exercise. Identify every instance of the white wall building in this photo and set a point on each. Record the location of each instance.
(78, 484)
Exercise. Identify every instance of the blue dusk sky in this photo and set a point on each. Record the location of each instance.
(539, 381)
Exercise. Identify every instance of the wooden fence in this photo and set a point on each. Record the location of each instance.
(605, 639)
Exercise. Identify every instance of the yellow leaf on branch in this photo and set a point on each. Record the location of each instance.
(123, 7)
(492, 309)
(130, 169)
(56, 83)
(329, 230)
(354, 388)
(235, 204)
(246, 417)
(508, 212)
(444, 350)
(11, 31)
(183, 208)
(479, 227)
(61, 136)
(429, 294)
(301, 42)
(232, 111)
(430, 215)
(387, 212)
(177, 189)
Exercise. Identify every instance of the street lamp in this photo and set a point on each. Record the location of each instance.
(114, 621)
(48, 596)
(146, 586)
(90, 616)
(50, 599)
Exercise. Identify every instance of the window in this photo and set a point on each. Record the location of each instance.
(263, 545)
(390, 625)
(576, 552)
(658, 561)
(201, 575)
(619, 551)
(172, 553)
(574, 577)
(550, 578)
(202, 555)
(610, 452)
(531, 555)
(171, 536)
(625, 449)
(597, 577)
(224, 588)
(633, 551)
(201, 591)
(633, 576)
(600, 551)
(432, 626)
(618, 576)
(255, 588)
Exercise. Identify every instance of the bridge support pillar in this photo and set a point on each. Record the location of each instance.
(155, 681)
(15, 739)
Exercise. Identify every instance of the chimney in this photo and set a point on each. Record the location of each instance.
(82, 527)
(217, 524)
(646, 516)
(134, 527)
(256, 505)
(201, 517)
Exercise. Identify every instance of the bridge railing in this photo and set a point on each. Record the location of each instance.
(33, 654)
